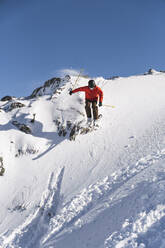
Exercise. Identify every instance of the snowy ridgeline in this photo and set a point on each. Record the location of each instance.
(105, 189)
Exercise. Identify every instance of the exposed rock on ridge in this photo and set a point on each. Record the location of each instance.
(6, 98)
(49, 87)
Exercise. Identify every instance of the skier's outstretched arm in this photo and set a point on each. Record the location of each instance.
(78, 89)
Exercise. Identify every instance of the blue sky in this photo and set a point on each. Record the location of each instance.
(105, 37)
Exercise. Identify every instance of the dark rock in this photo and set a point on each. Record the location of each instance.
(52, 83)
(73, 133)
(62, 131)
(49, 82)
(72, 129)
(14, 105)
(22, 152)
(25, 129)
(22, 127)
(2, 169)
(150, 71)
(36, 92)
(33, 120)
(6, 98)
(113, 78)
(69, 125)
(67, 78)
(79, 129)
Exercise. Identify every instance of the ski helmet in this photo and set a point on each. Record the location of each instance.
(91, 84)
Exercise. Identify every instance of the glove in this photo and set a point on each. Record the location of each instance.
(70, 92)
(100, 104)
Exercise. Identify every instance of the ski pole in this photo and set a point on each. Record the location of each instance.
(77, 79)
(110, 106)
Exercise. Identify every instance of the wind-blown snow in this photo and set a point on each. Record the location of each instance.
(103, 190)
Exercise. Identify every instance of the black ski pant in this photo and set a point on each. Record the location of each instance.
(88, 105)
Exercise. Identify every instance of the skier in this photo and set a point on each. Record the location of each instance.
(92, 93)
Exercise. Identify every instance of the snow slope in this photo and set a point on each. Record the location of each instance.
(106, 188)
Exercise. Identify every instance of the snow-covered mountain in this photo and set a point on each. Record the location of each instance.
(65, 186)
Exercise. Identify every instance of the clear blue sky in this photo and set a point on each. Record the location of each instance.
(105, 37)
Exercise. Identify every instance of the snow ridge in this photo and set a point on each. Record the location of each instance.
(140, 234)
(77, 207)
(124, 174)
(95, 194)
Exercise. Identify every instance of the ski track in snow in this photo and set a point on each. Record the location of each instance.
(148, 230)
(93, 195)
(41, 229)
(32, 230)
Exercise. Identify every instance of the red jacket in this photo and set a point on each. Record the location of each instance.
(91, 94)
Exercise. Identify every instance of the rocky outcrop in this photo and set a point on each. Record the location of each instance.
(72, 129)
(6, 98)
(78, 129)
(52, 81)
(50, 87)
(14, 105)
(2, 169)
(22, 127)
(36, 92)
(62, 129)
(151, 71)
(27, 151)
(113, 78)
